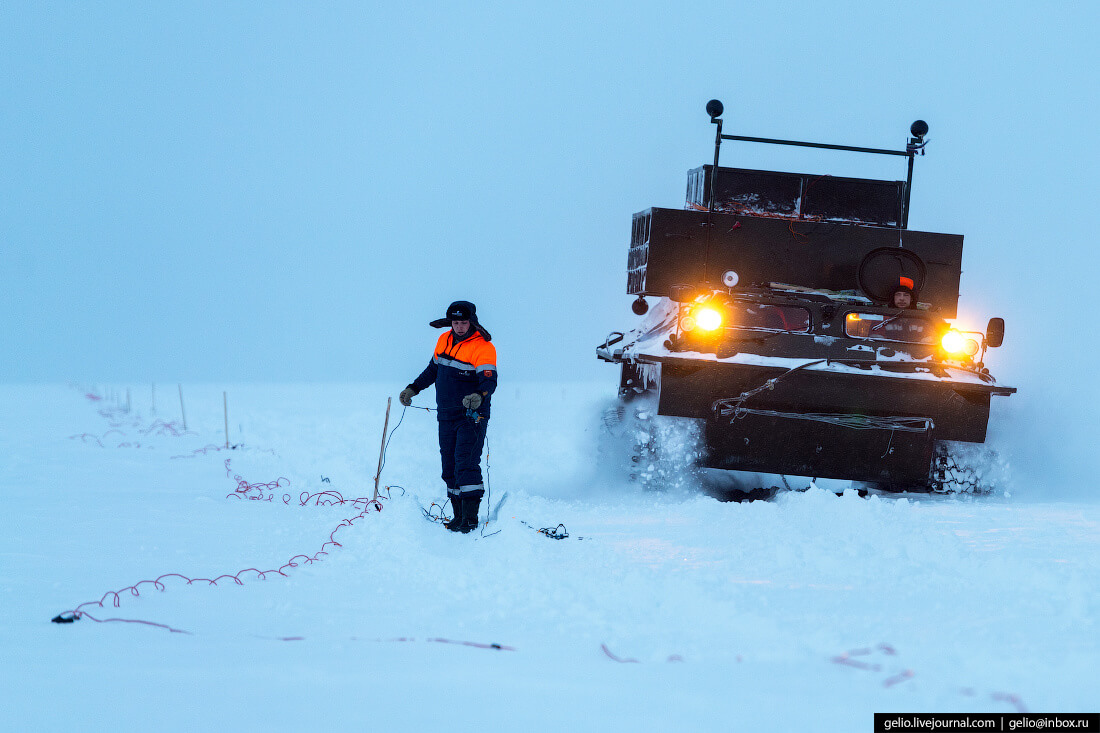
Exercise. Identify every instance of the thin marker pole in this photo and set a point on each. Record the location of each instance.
(382, 450)
(225, 406)
(127, 399)
(182, 410)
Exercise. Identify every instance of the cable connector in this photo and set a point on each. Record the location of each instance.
(555, 533)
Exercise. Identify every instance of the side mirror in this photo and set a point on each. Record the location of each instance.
(995, 332)
(681, 293)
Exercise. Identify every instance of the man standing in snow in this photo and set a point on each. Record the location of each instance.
(464, 371)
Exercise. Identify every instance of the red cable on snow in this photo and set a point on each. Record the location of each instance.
(671, 658)
(617, 659)
(198, 451)
(906, 674)
(475, 644)
(1013, 700)
(170, 427)
(157, 428)
(243, 488)
(138, 621)
(410, 639)
(846, 659)
(900, 677)
(84, 438)
(328, 497)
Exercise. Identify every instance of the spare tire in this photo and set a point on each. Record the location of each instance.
(881, 269)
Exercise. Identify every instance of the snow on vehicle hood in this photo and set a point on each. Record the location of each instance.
(647, 342)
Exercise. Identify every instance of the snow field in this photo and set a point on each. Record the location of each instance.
(810, 609)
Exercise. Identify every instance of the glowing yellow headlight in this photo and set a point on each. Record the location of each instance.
(971, 347)
(953, 342)
(708, 319)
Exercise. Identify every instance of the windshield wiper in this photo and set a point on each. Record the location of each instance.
(888, 320)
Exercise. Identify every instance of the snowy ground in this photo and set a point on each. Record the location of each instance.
(674, 611)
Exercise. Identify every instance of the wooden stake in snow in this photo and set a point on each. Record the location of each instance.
(225, 406)
(382, 451)
(182, 410)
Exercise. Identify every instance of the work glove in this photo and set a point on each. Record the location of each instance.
(406, 396)
(471, 401)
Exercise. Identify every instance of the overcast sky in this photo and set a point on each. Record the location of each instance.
(290, 191)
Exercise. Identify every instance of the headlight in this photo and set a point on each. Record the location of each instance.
(956, 344)
(953, 342)
(708, 319)
(687, 323)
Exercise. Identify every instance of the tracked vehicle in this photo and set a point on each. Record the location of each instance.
(773, 330)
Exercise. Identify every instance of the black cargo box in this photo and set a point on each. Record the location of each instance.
(798, 195)
(670, 247)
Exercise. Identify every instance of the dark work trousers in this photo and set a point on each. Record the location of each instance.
(460, 445)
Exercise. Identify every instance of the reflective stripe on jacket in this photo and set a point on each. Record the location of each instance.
(458, 369)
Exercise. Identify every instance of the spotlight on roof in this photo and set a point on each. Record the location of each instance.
(714, 108)
(919, 128)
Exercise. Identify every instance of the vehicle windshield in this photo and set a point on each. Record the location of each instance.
(901, 327)
(761, 316)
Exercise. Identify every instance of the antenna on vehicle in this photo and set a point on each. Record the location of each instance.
(914, 147)
(714, 109)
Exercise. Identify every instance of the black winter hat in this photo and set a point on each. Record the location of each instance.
(461, 310)
(905, 285)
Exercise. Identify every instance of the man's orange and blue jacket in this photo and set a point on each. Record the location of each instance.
(458, 368)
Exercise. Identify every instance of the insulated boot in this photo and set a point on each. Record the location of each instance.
(455, 525)
(470, 507)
